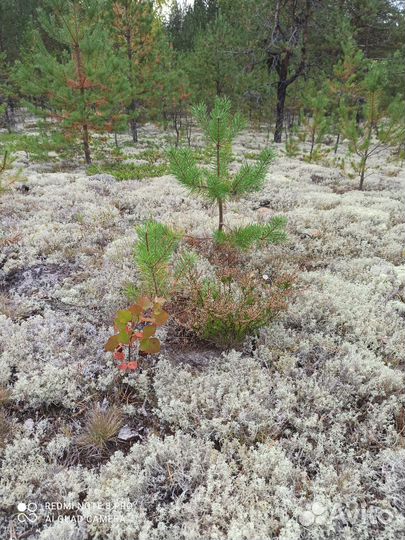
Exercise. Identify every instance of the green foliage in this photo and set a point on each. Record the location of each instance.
(79, 81)
(245, 238)
(379, 128)
(128, 171)
(292, 147)
(344, 89)
(316, 103)
(216, 183)
(153, 254)
(211, 67)
(136, 35)
(37, 147)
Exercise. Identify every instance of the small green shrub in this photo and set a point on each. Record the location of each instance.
(37, 147)
(230, 306)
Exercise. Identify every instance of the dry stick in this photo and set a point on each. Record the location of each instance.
(220, 204)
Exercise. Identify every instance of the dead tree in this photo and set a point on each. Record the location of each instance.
(286, 49)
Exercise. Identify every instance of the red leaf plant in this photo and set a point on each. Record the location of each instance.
(135, 329)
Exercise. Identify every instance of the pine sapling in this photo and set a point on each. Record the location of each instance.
(317, 125)
(380, 129)
(217, 184)
(153, 253)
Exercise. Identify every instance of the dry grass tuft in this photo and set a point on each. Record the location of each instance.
(5, 429)
(101, 428)
(4, 395)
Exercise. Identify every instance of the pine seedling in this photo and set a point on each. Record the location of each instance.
(344, 89)
(317, 125)
(380, 129)
(292, 148)
(217, 184)
(153, 253)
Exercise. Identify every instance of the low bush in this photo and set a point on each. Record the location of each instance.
(229, 305)
(38, 147)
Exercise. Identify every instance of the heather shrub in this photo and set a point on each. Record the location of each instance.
(231, 304)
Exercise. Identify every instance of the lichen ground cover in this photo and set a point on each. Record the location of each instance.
(300, 437)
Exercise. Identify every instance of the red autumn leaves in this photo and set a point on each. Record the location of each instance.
(136, 328)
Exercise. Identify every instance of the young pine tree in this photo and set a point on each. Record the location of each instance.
(379, 128)
(77, 77)
(8, 94)
(217, 184)
(345, 86)
(316, 103)
(136, 32)
(174, 93)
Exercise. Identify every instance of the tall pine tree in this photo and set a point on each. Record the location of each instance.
(77, 80)
(136, 32)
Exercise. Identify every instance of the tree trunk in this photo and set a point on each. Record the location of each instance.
(312, 145)
(337, 143)
(281, 95)
(362, 174)
(221, 215)
(134, 130)
(86, 145)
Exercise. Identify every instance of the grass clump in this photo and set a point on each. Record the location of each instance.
(128, 171)
(101, 428)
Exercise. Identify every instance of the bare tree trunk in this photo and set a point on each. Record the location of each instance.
(362, 174)
(281, 95)
(133, 123)
(86, 145)
(221, 215)
(337, 143)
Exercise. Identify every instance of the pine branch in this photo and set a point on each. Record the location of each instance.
(184, 167)
(251, 178)
(246, 237)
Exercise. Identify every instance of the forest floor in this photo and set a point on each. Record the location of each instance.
(298, 437)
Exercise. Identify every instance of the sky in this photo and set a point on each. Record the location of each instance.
(166, 8)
